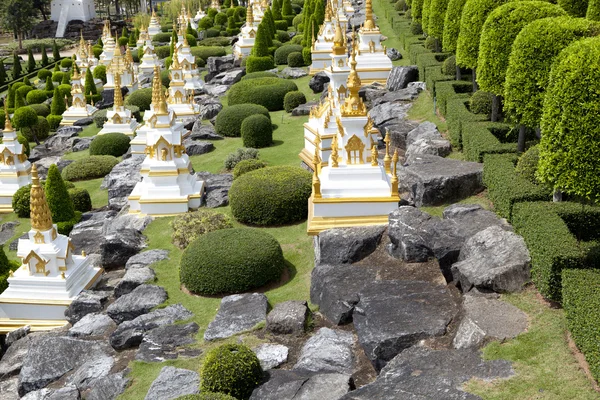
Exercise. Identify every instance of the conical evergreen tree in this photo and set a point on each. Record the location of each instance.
(19, 100)
(125, 32)
(10, 98)
(59, 201)
(132, 40)
(49, 86)
(319, 13)
(44, 56)
(2, 73)
(55, 52)
(16, 66)
(261, 44)
(268, 17)
(66, 78)
(174, 40)
(286, 8)
(90, 86)
(58, 106)
(277, 10)
(30, 61)
(190, 31)
(26, 82)
(57, 67)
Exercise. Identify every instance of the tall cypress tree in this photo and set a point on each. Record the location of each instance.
(90, 86)
(55, 52)
(44, 56)
(16, 66)
(58, 106)
(174, 39)
(277, 10)
(30, 61)
(49, 86)
(286, 8)
(268, 16)
(19, 100)
(59, 201)
(66, 78)
(2, 73)
(10, 98)
(261, 45)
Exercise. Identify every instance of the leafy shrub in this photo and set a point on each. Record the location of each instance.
(54, 121)
(58, 76)
(221, 19)
(400, 5)
(245, 166)
(20, 201)
(430, 43)
(296, 39)
(141, 98)
(212, 32)
(5, 268)
(281, 54)
(44, 74)
(161, 37)
(257, 131)
(21, 139)
(66, 63)
(97, 50)
(58, 198)
(528, 163)
(24, 117)
(232, 369)
(416, 28)
(36, 97)
(260, 74)
(112, 144)
(204, 52)
(42, 110)
(295, 59)
(283, 36)
(229, 120)
(207, 396)
(268, 92)
(217, 41)
(271, 196)
(293, 100)
(255, 63)
(307, 55)
(282, 25)
(481, 103)
(190, 226)
(24, 91)
(89, 168)
(100, 73)
(122, 41)
(40, 130)
(64, 90)
(81, 199)
(162, 51)
(192, 41)
(100, 118)
(449, 66)
(233, 159)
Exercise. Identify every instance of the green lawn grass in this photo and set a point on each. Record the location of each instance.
(99, 196)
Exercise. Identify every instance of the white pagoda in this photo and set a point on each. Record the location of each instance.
(185, 17)
(123, 66)
(154, 26)
(200, 14)
(149, 59)
(108, 50)
(243, 46)
(322, 46)
(79, 108)
(167, 186)
(50, 276)
(354, 188)
(215, 4)
(180, 99)
(15, 169)
(373, 64)
(191, 75)
(119, 119)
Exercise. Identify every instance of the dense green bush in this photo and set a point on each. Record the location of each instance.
(256, 63)
(260, 74)
(437, 16)
(232, 369)
(58, 106)
(221, 19)
(111, 144)
(91, 167)
(5, 268)
(97, 50)
(268, 92)
(54, 121)
(100, 118)
(207, 396)
(141, 98)
(204, 52)
(100, 73)
(474, 14)
(479, 139)
(20, 201)
(161, 37)
(58, 198)
(65, 90)
(212, 33)
(58, 76)
(481, 103)
(257, 131)
(281, 54)
(246, 166)
(229, 120)
(39, 131)
(44, 74)
(575, 8)
(282, 36)
(42, 110)
(190, 226)
(293, 100)
(271, 196)
(81, 199)
(162, 51)
(232, 159)
(400, 5)
(218, 42)
(231, 261)
(24, 91)
(449, 66)
(36, 97)
(24, 117)
(593, 10)
(528, 163)
(295, 59)
(192, 41)
(66, 63)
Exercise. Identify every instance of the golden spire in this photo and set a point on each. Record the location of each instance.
(394, 181)
(158, 97)
(387, 160)
(369, 24)
(316, 183)
(41, 219)
(175, 63)
(128, 55)
(117, 48)
(334, 152)
(118, 95)
(7, 125)
(231, 6)
(353, 105)
(328, 12)
(153, 13)
(338, 41)
(374, 156)
(185, 42)
(249, 15)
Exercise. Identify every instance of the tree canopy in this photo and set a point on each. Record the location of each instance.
(437, 16)
(576, 8)
(452, 24)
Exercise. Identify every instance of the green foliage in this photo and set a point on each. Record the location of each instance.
(81, 199)
(44, 56)
(21, 139)
(430, 43)
(229, 120)
(570, 122)
(481, 103)
(49, 87)
(122, 41)
(271, 196)
(268, 92)
(20, 201)
(19, 98)
(91, 167)
(218, 42)
(307, 55)
(293, 100)
(55, 51)
(192, 41)
(42, 110)
(66, 80)
(262, 42)
(479, 139)
(212, 33)
(97, 50)
(58, 106)
(24, 117)
(10, 97)
(449, 66)
(65, 91)
(16, 69)
(111, 144)
(417, 10)
(207, 396)
(204, 52)
(57, 76)
(3, 76)
(190, 226)
(245, 166)
(593, 10)
(4, 269)
(37, 132)
(257, 131)
(425, 15)
(230, 261)
(575, 8)
(295, 59)
(66, 63)
(141, 98)
(533, 52)
(437, 16)
(232, 369)
(100, 118)
(30, 61)
(162, 51)
(61, 206)
(282, 53)
(260, 74)
(528, 163)
(400, 5)
(256, 64)
(161, 37)
(233, 159)
(100, 73)
(90, 86)
(205, 23)
(54, 121)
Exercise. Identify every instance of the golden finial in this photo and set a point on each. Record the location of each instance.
(117, 51)
(353, 106)
(175, 63)
(387, 160)
(369, 24)
(185, 42)
(312, 32)
(41, 219)
(118, 95)
(66, 101)
(374, 156)
(249, 15)
(334, 152)
(83, 253)
(62, 275)
(338, 41)
(158, 97)
(316, 182)
(328, 12)
(128, 55)
(7, 124)
(395, 174)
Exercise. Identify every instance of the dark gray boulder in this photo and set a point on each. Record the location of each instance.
(237, 313)
(397, 128)
(303, 109)
(347, 245)
(288, 317)
(119, 246)
(172, 383)
(327, 350)
(228, 77)
(393, 54)
(209, 110)
(81, 144)
(133, 278)
(108, 387)
(121, 180)
(385, 112)
(435, 147)
(162, 343)
(87, 235)
(84, 121)
(140, 301)
(202, 131)
(69, 392)
(87, 302)
(303, 385)
(216, 189)
(318, 81)
(15, 335)
(292, 73)
(425, 130)
(194, 148)
(93, 324)
(400, 77)
(410, 234)
(90, 371)
(216, 65)
(493, 259)
(12, 360)
(146, 258)
(7, 231)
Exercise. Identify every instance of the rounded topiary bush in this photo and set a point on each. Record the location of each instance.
(141, 98)
(256, 63)
(528, 163)
(81, 199)
(481, 102)
(40, 130)
(24, 90)
(232, 159)
(100, 73)
(66, 63)
(260, 74)
(112, 144)
(54, 121)
(295, 59)
(246, 166)
(271, 196)
(293, 100)
(231, 261)
(206, 396)
(42, 110)
(190, 226)
(89, 168)
(24, 117)
(257, 131)
(449, 66)
(58, 76)
(268, 92)
(162, 51)
(282, 53)
(232, 369)
(36, 97)
(44, 74)
(161, 37)
(20, 201)
(229, 120)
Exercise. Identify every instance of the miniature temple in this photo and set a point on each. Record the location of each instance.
(50, 276)
(110, 45)
(149, 59)
(79, 108)
(84, 56)
(15, 169)
(180, 99)
(167, 186)
(191, 75)
(321, 47)
(373, 64)
(354, 188)
(154, 26)
(258, 10)
(123, 66)
(185, 17)
(243, 46)
(119, 119)
(200, 14)
(215, 4)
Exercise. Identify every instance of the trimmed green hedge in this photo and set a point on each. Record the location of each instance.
(229, 120)
(458, 116)
(231, 261)
(478, 139)
(207, 396)
(282, 53)
(446, 90)
(257, 131)
(293, 100)
(111, 144)
(89, 168)
(81, 199)
(246, 166)
(259, 74)
(259, 63)
(267, 92)
(204, 52)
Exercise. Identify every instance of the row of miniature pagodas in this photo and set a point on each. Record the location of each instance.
(149, 58)
(185, 18)
(119, 119)
(15, 169)
(187, 61)
(167, 185)
(84, 56)
(323, 44)
(79, 108)
(201, 14)
(50, 276)
(247, 36)
(353, 188)
(124, 66)
(373, 64)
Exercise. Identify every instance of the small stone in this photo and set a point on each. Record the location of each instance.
(133, 278)
(237, 313)
(173, 383)
(303, 385)
(393, 54)
(146, 258)
(271, 355)
(140, 301)
(327, 351)
(347, 245)
(93, 325)
(83, 122)
(288, 317)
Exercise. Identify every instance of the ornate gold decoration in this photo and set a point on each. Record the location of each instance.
(387, 160)
(158, 97)
(7, 124)
(118, 96)
(316, 182)
(38, 238)
(369, 24)
(371, 46)
(83, 253)
(395, 174)
(333, 158)
(340, 126)
(54, 234)
(318, 147)
(339, 47)
(353, 106)
(328, 12)
(40, 266)
(249, 15)
(374, 156)
(41, 219)
(62, 275)
(354, 150)
(368, 127)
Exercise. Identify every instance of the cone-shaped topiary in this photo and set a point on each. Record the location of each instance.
(2, 73)
(261, 44)
(30, 61)
(268, 16)
(55, 52)
(65, 80)
(58, 106)
(276, 10)
(16, 70)
(425, 15)
(174, 40)
(59, 201)
(286, 9)
(44, 56)
(10, 97)
(132, 41)
(19, 100)
(452, 24)
(49, 86)
(90, 86)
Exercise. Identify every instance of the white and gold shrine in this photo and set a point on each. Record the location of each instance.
(108, 50)
(200, 14)
(167, 186)
(373, 64)
(15, 169)
(84, 56)
(50, 276)
(354, 188)
(246, 37)
(187, 61)
(122, 65)
(149, 59)
(185, 17)
(180, 99)
(79, 108)
(119, 119)
(154, 26)
(215, 4)
(322, 46)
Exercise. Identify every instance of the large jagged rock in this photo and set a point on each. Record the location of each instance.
(327, 351)
(140, 301)
(318, 81)
(493, 259)
(419, 373)
(93, 325)
(131, 333)
(216, 189)
(108, 387)
(121, 181)
(194, 147)
(133, 278)
(173, 383)
(86, 235)
(7, 231)
(216, 65)
(347, 245)
(426, 139)
(124, 220)
(228, 77)
(303, 109)
(146, 258)
(394, 315)
(90, 371)
(271, 355)
(44, 164)
(237, 313)
(293, 73)
(12, 361)
(432, 181)
(397, 128)
(9, 389)
(400, 77)
(288, 317)
(57, 144)
(408, 94)
(202, 131)
(425, 130)
(386, 112)
(162, 343)
(87, 302)
(209, 110)
(69, 392)
(17, 334)
(303, 385)
(121, 245)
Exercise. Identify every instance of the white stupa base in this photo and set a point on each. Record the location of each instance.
(373, 67)
(12, 177)
(193, 82)
(76, 113)
(184, 111)
(242, 50)
(312, 130)
(147, 65)
(127, 129)
(321, 59)
(153, 30)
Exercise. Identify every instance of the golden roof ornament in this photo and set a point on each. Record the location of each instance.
(338, 41)
(175, 64)
(41, 218)
(394, 181)
(334, 152)
(374, 156)
(316, 182)
(7, 124)
(158, 97)
(118, 99)
(369, 24)
(387, 160)
(353, 106)
(249, 15)
(328, 12)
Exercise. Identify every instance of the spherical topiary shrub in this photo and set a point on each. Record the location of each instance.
(232, 369)
(161, 37)
(206, 396)
(24, 117)
(282, 53)
(295, 59)
(257, 131)
(162, 51)
(192, 41)
(54, 121)
(89, 168)
(20, 201)
(268, 92)
(141, 98)
(528, 163)
(271, 196)
(260, 74)
(100, 73)
(81, 199)
(481, 102)
(24, 91)
(21, 139)
(245, 166)
(293, 100)
(42, 110)
(190, 226)
(449, 66)
(66, 63)
(112, 144)
(44, 74)
(36, 97)
(39, 131)
(231, 261)
(229, 120)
